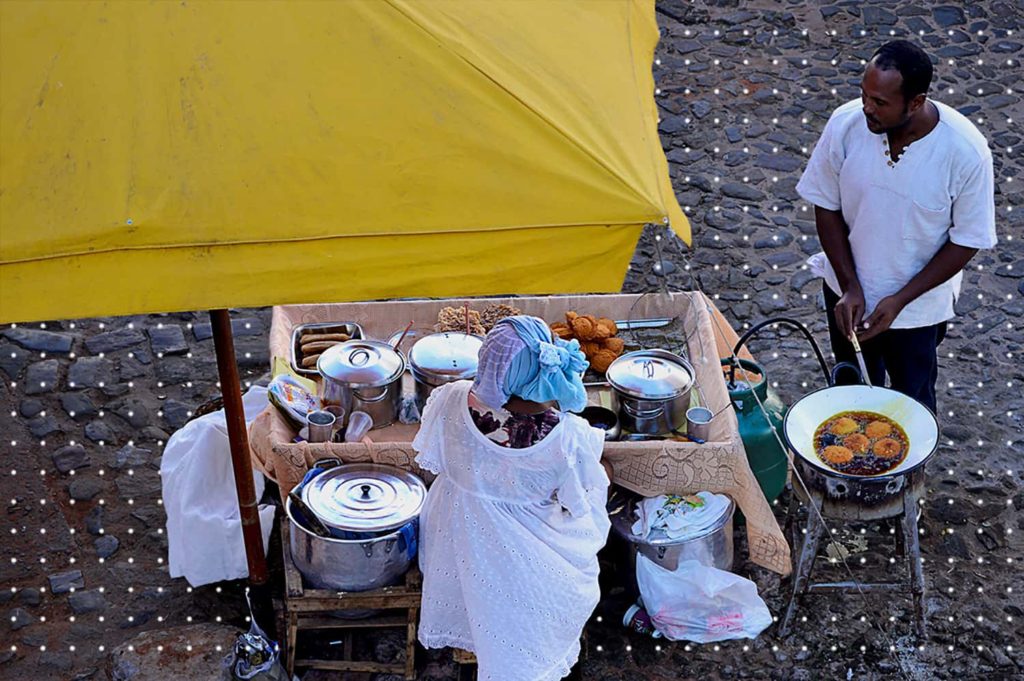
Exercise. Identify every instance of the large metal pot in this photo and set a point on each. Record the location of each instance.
(713, 546)
(363, 375)
(811, 410)
(653, 387)
(372, 511)
(441, 358)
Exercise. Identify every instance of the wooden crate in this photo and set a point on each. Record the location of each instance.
(308, 609)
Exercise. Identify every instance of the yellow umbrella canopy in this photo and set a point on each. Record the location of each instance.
(168, 156)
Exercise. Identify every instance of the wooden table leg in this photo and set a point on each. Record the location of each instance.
(908, 525)
(808, 553)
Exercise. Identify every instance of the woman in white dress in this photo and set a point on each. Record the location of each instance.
(512, 525)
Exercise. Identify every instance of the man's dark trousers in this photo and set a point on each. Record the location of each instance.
(909, 356)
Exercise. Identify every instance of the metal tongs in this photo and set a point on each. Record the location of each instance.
(860, 360)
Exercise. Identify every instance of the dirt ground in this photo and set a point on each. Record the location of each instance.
(745, 89)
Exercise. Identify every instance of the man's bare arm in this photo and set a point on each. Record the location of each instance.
(834, 236)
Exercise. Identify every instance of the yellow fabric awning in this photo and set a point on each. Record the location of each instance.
(163, 156)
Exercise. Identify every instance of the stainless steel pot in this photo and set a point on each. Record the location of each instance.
(363, 375)
(441, 358)
(653, 387)
(713, 547)
(372, 511)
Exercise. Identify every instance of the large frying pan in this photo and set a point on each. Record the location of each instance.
(811, 410)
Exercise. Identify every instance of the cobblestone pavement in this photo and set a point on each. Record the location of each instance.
(745, 89)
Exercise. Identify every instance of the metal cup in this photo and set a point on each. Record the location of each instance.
(321, 425)
(698, 423)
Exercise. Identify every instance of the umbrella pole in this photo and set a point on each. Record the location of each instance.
(231, 390)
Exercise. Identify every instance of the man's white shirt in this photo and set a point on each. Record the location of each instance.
(901, 214)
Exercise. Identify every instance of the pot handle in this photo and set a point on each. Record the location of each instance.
(845, 366)
(371, 400)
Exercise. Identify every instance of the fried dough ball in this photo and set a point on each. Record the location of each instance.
(615, 344)
(561, 330)
(583, 327)
(877, 429)
(601, 331)
(836, 455)
(856, 443)
(602, 359)
(612, 328)
(590, 348)
(569, 317)
(843, 426)
(887, 448)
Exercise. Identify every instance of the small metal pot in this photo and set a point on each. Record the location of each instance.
(372, 511)
(653, 387)
(441, 358)
(363, 375)
(713, 547)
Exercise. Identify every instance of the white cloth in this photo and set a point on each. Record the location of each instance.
(899, 216)
(672, 517)
(204, 529)
(509, 541)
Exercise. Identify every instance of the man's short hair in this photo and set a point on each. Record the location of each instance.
(911, 61)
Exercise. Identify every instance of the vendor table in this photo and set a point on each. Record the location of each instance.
(648, 468)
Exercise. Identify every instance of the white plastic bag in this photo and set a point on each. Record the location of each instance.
(700, 603)
(204, 530)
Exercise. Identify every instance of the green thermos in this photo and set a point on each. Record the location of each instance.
(766, 456)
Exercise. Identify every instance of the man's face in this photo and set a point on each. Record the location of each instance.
(884, 106)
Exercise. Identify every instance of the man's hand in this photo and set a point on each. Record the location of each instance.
(850, 310)
(881, 318)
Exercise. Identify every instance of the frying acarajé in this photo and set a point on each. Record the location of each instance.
(861, 443)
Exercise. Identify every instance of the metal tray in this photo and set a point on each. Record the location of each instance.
(351, 328)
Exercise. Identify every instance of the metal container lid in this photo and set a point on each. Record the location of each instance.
(361, 363)
(445, 357)
(650, 375)
(365, 497)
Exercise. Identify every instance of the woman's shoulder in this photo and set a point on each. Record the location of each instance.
(583, 434)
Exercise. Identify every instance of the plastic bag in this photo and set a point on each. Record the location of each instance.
(700, 603)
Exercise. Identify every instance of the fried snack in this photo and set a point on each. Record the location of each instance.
(317, 347)
(604, 321)
(857, 443)
(495, 312)
(583, 327)
(309, 361)
(454, 319)
(602, 331)
(569, 316)
(887, 448)
(561, 330)
(602, 359)
(590, 348)
(843, 425)
(836, 455)
(314, 337)
(615, 344)
(877, 429)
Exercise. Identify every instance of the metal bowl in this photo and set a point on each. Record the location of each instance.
(605, 419)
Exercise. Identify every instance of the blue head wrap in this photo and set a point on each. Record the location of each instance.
(544, 369)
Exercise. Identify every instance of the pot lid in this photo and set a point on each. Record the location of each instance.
(448, 355)
(650, 375)
(365, 497)
(361, 363)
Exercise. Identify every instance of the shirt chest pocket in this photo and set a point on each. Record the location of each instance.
(927, 219)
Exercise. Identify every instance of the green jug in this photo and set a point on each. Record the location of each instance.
(766, 456)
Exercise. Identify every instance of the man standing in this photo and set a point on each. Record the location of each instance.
(902, 188)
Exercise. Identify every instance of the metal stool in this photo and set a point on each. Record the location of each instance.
(309, 609)
(895, 498)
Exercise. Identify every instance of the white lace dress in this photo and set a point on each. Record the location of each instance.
(509, 541)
